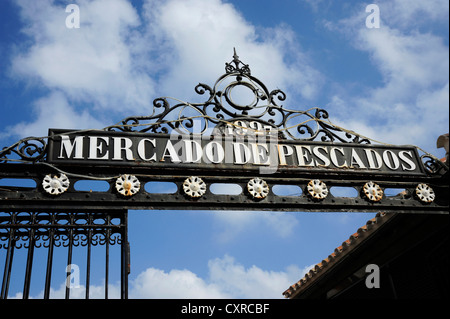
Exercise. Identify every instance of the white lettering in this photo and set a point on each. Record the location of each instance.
(246, 308)
(141, 149)
(283, 151)
(241, 128)
(118, 148)
(229, 130)
(214, 152)
(256, 127)
(239, 159)
(373, 19)
(321, 156)
(172, 153)
(73, 276)
(260, 152)
(69, 147)
(391, 161)
(303, 156)
(95, 147)
(238, 151)
(373, 279)
(189, 156)
(73, 19)
(198, 309)
(334, 159)
(412, 165)
(373, 164)
(356, 160)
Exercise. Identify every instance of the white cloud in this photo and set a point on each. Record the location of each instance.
(232, 223)
(199, 36)
(119, 60)
(79, 292)
(252, 282)
(94, 63)
(227, 279)
(411, 59)
(410, 106)
(54, 111)
(409, 14)
(175, 284)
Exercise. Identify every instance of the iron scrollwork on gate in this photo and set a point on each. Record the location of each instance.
(62, 230)
(221, 108)
(30, 149)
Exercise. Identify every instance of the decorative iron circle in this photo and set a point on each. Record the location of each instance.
(425, 193)
(194, 186)
(55, 185)
(128, 185)
(317, 189)
(258, 188)
(373, 191)
(252, 88)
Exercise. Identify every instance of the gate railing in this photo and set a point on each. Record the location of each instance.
(31, 230)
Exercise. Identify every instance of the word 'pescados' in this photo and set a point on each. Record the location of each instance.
(186, 150)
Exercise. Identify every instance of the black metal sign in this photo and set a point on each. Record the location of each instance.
(235, 151)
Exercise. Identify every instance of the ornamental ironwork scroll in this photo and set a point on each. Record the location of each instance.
(220, 109)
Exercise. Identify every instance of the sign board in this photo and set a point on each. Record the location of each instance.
(230, 151)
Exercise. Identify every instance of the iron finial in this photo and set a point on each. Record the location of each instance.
(244, 69)
(235, 58)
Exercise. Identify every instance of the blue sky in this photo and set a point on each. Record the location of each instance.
(388, 83)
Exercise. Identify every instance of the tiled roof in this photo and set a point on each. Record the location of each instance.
(347, 245)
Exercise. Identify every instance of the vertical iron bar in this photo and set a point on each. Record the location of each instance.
(128, 269)
(125, 265)
(69, 258)
(8, 264)
(107, 236)
(29, 267)
(48, 275)
(6, 272)
(88, 259)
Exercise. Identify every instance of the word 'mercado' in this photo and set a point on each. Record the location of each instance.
(158, 149)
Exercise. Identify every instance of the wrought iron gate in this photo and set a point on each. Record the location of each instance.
(254, 146)
(51, 230)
